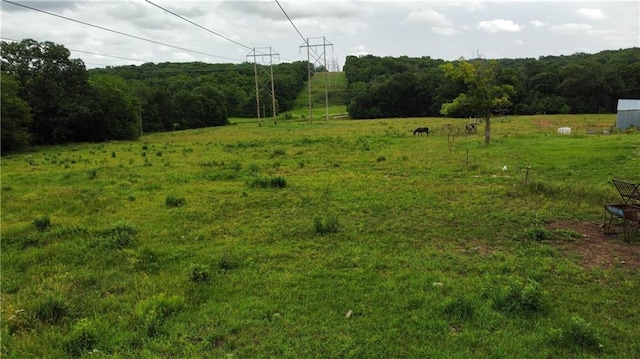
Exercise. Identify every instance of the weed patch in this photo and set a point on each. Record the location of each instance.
(199, 273)
(120, 235)
(82, 339)
(326, 225)
(152, 313)
(42, 223)
(51, 309)
(520, 298)
(174, 200)
(460, 309)
(577, 335)
(267, 182)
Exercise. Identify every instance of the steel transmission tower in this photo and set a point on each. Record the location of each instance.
(255, 56)
(317, 58)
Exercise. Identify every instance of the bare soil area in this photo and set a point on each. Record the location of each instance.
(599, 250)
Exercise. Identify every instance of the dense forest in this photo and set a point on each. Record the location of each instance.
(409, 87)
(48, 98)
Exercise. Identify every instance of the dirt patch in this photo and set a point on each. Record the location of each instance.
(597, 250)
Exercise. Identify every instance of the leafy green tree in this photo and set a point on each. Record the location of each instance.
(483, 95)
(53, 85)
(214, 105)
(16, 116)
(118, 115)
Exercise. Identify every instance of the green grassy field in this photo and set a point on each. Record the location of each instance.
(338, 239)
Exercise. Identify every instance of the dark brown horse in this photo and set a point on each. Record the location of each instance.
(420, 130)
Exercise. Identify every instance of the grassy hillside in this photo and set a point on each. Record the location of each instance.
(335, 84)
(338, 239)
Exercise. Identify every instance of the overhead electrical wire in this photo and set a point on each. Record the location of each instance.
(118, 32)
(294, 25)
(193, 23)
(85, 52)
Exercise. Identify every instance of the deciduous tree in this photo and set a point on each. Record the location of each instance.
(483, 95)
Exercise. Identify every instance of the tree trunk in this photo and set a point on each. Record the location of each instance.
(487, 130)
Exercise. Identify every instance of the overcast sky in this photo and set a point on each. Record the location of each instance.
(229, 30)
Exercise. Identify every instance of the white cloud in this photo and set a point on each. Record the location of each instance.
(538, 23)
(592, 14)
(428, 17)
(359, 50)
(444, 30)
(571, 27)
(495, 26)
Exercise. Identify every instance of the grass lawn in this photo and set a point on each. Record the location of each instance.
(331, 239)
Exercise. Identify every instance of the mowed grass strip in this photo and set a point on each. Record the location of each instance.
(325, 239)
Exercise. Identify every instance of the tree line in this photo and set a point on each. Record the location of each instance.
(49, 98)
(382, 87)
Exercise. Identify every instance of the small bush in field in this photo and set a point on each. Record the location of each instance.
(153, 312)
(50, 309)
(82, 339)
(278, 182)
(327, 225)
(92, 174)
(199, 273)
(460, 309)
(227, 263)
(520, 298)
(42, 223)
(175, 201)
(120, 235)
(577, 334)
(266, 182)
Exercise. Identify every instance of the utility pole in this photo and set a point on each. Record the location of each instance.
(317, 57)
(255, 55)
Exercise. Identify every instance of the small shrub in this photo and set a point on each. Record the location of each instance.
(153, 312)
(92, 174)
(577, 334)
(254, 168)
(174, 201)
(460, 309)
(120, 235)
(50, 309)
(266, 182)
(537, 234)
(42, 223)
(29, 159)
(146, 259)
(83, 338)
(520, 298)
(278, 152)
(278, 182)
(328, 225)
(113, 154)
(199, 273)
(227, 263)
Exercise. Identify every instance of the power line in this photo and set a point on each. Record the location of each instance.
(118, 32)
(193, 23)
(294, 25)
